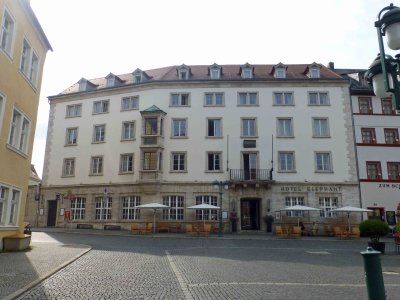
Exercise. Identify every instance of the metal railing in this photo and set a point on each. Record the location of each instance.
(250, 175)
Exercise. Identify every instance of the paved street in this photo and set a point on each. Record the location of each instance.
(132, 267)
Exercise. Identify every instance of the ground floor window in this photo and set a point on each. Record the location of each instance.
(129, 212)
(206, 214)
(103, 208)
(9, 205)
(292, 201)
(176, 204)
(326, 204)
(78, 208)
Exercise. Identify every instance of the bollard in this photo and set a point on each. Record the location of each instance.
(373, 274)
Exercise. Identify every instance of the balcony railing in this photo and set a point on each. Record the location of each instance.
(250, 175)
(152, 141)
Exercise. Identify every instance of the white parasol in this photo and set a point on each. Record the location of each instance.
(299, 208)
(204, 207)
(153, 206)
(348, 210)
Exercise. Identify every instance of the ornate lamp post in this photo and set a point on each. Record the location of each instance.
(220, 185)
(384, 71)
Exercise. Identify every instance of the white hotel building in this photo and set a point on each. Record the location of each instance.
(277, 134)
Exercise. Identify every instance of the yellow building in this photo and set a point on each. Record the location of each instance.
(23, 48)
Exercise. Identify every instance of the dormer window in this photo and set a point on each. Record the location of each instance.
(113, 80)
(183, 72)
(313, 71)
(214, 71)
(110, 81)
(246, 71)
(214, 74)
(86, 85)
(280, 73)
(82, 85)
(138, 78)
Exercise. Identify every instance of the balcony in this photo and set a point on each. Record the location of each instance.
(250, 176)
(150, 175)
(152, 141)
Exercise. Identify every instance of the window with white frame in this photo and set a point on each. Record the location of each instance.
(15, 197)
(96, 166)
(9, 205)
(214, 99)
(280, 73)
(71, 136)
(247, 73)
(19, 131)
(326, 204)
(215, 73)
(176, 207)
(7, 33)
(323, 162)
(314, 73)
(103, 207)
(126, 163)
(2, 101)
(99, 133)
(206, 214)
(101, 107)
(320, 127)
(178, 161)
(3, 204)
(214, 161)
(130, 103)
(292, 201)
(214, 127)
(78, 208)
(286, 161)
(283, 98)
(179, 100)
(74, 110)
(128, 130)
(129, 212)
(179, 128)
(68, 167)
(249, 127)
(29, 62)
(248, 99)
(318, 98)
(284, 127)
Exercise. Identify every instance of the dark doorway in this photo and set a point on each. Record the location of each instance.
(51, 213)
(250, 166)
(250, 214)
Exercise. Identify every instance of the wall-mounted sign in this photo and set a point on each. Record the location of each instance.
(313, 188)
(389, 186)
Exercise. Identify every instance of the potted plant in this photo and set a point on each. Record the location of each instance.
(374, 229)
(397, 233)
(268, 219)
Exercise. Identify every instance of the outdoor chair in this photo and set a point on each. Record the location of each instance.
(190, 230)
(205, 231)
(138, 228)
(149, 228)
(355, 232)
(397, 244)
(338, 232)
(279, 231)
(296, 231)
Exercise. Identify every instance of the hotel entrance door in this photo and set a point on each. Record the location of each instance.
(250, 214)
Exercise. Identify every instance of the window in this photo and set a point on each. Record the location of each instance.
(103, 208)
(249, 127)
(286, 161)
(150, 161)
(280, 73)
(68, 167)
(126, 163)
(215, 73)
(178, 160)
(326, 204)
(29, 62)
(206, 214)
(247, 73)
(7, 33)
(178, 128)
(78, 208)
(323, 162)
(318, 98)
(387, 107)
(129, 212)
(179, 100)
(2, 101)
(285, 127)
(214, 99)
(214, 161)
(393, 170)
(130, 103)
(19, 131)
(368, 135)
(71, 136)
(292, 201)
(150, 126)
(365, 105)
(74, 110)
(284, 98)
(320, 127)
(128, 130)
(110, 81)
(100, 107)
(391, 135)
(374, 170)
(176, 204)
(248, 99)
(9, 205)
(314, 73)
(96, 165)
(99, 134)
(214, 127)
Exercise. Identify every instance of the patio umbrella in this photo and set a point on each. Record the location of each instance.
(204, 207)
(299, 208)
(348, 210)
(153, 206)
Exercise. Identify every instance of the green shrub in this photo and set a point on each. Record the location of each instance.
(397, 228)
(374, 229)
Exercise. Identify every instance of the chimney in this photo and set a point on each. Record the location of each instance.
(331, 65)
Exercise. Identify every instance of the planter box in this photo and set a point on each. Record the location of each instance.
(17, 243)
(378, 246)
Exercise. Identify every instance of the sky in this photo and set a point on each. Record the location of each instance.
(92, 38)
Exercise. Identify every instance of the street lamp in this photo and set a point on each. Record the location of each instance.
(220, 185)
(384, 71)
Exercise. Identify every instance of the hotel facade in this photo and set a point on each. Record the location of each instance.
(269, 135)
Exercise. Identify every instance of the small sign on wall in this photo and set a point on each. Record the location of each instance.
(41, 211)
(62, 211)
